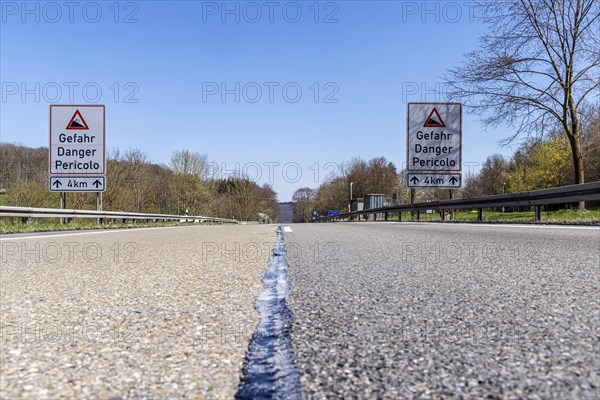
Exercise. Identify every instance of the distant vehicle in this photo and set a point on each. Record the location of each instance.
(333, 212)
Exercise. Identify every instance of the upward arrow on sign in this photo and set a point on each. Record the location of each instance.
(57, 183)
(414, 179)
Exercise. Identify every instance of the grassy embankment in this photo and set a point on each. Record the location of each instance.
(14, 225)
(561, 216)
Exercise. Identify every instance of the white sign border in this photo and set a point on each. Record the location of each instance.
(97, 173)
(408, 139)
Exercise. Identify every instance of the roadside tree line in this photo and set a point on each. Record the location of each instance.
(136, 184)
(535, 70)
(538, 163)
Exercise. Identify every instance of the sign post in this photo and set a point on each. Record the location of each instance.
(434, 145)
(77, 156)
(99, 206)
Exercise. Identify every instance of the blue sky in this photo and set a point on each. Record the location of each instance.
(161, 68)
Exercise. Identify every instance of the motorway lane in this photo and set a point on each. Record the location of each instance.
(431, 311)
(153, 313)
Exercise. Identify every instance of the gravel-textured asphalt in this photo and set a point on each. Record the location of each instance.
(438, 311)
(149, 313)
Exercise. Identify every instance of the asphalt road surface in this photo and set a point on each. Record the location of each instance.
(147, 313)
(379, 310)
(432, 311)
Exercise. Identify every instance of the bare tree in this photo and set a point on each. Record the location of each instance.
(190, 163)
(303, 194)
(332, 195)
(492, 177)
(267, 200)
(535, 69)
(20, 164)
(130, 188)
(374, 176)
(303, 204)
(591, 145)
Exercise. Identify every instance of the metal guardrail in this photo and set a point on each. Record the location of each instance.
(31, 212)
(535, 198)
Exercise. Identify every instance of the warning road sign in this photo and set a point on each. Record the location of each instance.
(434, 137)
(77, 122)
(434, 120)
(77, 140)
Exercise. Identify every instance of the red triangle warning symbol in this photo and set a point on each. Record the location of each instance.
(434, 120)
(77, 122)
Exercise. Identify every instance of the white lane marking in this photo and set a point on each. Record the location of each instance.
(287, 229)
(86, 233)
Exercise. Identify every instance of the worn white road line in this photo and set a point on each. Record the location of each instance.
(270, 370)
(287, 229)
